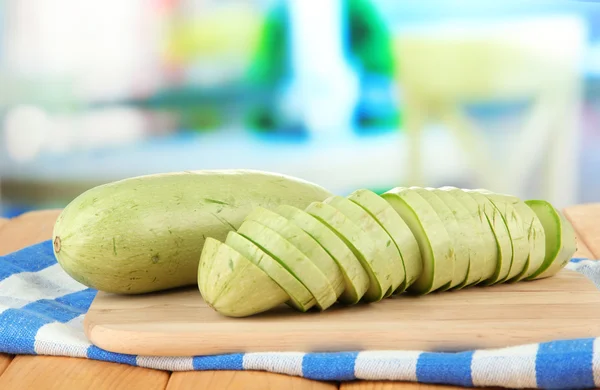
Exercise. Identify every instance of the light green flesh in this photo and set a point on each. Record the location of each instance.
(518, 237)
(459, 249)
(376, 233)
(434, 241)
(498, 271)
(304, 242)
(465, 283)
(300, 297)
(535, 236)
(293, 260)
(380, 278)
(560, 239)
(470, 235)
(397, 229)
(207, 256)
(534, 231)
(356, 279)
(484, 251)
(233, 285)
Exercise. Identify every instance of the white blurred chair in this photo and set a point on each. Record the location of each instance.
(441, 69)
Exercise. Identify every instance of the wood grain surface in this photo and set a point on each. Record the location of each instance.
(4, 361)
(41, 372)
(58, 373)
(27, 229)
(583, 251)
(247, 380)
(179, 323)
(586, 221)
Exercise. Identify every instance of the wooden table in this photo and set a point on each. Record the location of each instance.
(50, 372)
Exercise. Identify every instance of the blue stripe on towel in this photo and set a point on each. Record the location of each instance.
(219, 362)
(448, 368)
(565, 364)
(327, 366)
(29, 259)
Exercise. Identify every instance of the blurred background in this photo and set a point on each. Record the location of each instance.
(347, 94)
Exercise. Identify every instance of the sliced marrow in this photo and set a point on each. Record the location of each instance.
(560, 240)
(398, 230)
(518, 236)
(296, 262)
(485, 251)
(458, 246)
(233, 285)
(470, 238)
(300, 298)
(304, 242)
(356, 279)
(377, 235)
(434, 242)
(534, 231)
(369, 255)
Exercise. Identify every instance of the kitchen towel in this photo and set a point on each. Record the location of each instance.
(42, 310)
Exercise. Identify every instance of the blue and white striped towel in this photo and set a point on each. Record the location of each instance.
(42, 310)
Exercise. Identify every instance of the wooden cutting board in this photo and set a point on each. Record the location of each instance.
(178, 322)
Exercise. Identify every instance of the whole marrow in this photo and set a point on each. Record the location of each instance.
(146, 234)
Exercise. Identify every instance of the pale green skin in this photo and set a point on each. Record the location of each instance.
(380, 274)
(498, 271)
(299, 296)
(233, 285)
(535, 236)
(534, 231)
(397, 229)
(304, 242)
(434, 242)
(455, 231)
(484, 250)
(146, 233)
(560, 245)
(518, 236)
(377, 233)
(291, 259)
(470, 236)
(356, 279)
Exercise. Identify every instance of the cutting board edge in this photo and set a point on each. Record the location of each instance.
(128, 341)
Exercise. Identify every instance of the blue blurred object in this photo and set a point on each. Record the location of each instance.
(9, 211)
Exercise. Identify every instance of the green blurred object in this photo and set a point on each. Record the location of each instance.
(369, 47)
(369, 38)
(270, 62)
(254, 99)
